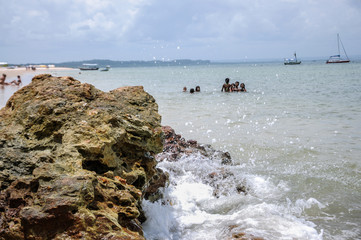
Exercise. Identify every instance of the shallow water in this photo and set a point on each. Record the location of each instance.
(294, 139)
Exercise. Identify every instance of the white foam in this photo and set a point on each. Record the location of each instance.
(191, 210)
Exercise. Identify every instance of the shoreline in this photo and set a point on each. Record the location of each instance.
(13, 73)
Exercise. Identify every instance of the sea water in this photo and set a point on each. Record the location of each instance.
(294, 139)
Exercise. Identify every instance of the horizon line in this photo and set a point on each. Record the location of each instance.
(245, 60)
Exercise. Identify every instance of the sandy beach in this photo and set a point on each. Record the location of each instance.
(12, 73)
(26, 75)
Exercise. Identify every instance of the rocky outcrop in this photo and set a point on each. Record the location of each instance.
(75, 161)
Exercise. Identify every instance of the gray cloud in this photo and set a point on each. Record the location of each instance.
(60, 30)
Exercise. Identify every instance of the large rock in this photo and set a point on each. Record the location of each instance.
(74, 161)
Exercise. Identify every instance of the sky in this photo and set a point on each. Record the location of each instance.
(38, 31)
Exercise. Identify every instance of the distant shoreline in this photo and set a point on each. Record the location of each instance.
(177, 62)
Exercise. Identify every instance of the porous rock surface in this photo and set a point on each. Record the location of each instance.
(75, 161)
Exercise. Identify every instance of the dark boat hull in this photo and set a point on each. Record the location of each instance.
(86, 69)
(292, 63)
(341, 61)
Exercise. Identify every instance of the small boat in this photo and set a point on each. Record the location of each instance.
(337, 58)
(89, 66)
(292, 61)
(105, 69)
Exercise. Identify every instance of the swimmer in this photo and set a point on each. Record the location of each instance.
(232, 88)
(184, 89)
(192, 90)
(198, 89)
(243, 88)
(236, 87)
(226, 86)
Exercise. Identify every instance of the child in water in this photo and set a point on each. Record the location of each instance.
(243, 88)
(235, 87)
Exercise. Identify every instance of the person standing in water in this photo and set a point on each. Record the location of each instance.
(226, 86)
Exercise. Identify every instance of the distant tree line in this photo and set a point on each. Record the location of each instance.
(154, 63)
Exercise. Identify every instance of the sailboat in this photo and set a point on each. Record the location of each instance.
(292, 61)
(337, 58)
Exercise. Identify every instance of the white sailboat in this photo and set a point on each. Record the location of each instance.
(337, 58)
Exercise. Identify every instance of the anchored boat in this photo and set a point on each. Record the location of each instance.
(337, 58)
(89, 66)
(106, 69)
(292, 61)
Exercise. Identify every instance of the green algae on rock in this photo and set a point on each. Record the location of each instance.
(75, 161)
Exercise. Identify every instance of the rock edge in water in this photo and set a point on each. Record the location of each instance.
(75, 161)
(176, 148)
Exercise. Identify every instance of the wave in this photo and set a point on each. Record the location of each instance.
(210, 198)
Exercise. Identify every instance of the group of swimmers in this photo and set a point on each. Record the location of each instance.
(227, 87)
(233, 87)
(14, 82)
(198, 89)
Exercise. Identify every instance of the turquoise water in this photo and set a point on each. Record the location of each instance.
(294, 137)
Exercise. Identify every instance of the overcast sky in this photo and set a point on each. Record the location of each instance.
(70, 30)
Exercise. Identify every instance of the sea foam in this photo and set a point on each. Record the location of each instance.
(195, 207)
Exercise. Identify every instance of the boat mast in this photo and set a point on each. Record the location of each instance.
(338, 44)
(342, 46)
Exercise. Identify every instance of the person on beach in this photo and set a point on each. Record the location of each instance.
(243, 88)
(192, 90)
(198, 89)
(17, 82)
(2, 80)
(226, 86)
(185, 89)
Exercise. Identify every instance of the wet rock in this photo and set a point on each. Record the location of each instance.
(176, 147)
(156, 184)
(233, 230)
(75, 161)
